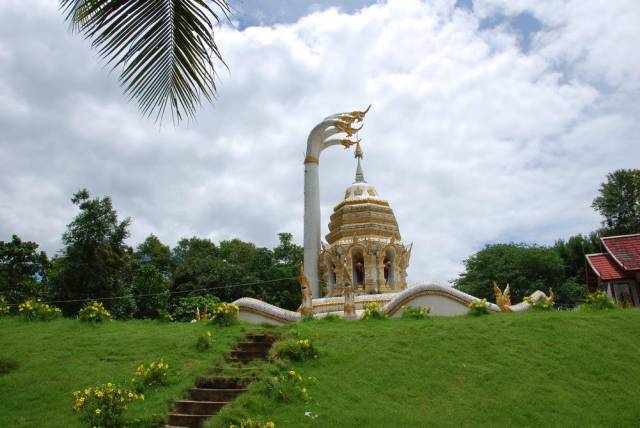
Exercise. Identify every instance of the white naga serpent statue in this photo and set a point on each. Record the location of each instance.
(323, 135)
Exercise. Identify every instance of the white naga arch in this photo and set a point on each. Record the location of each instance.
(323, 135)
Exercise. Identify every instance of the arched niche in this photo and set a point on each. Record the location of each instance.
(331, 275)
(357, 267)
(389, 266)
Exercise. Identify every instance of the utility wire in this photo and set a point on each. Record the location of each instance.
(88, 299)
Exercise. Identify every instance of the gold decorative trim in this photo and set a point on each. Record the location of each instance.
(311, 159)
(362, 201)
(368, 219)
(404, 301)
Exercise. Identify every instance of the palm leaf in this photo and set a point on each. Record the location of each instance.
(164, 48)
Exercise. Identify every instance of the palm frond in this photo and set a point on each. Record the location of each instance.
(164, 48)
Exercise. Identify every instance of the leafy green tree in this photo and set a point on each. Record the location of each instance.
(287, 257)
(525, 267)
(154, 252)
(22, 270)
(165, 48)
(151, 291)
(195, 267)
(619, 202)
(95, 262)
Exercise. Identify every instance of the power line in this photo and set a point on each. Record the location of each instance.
(88, 299)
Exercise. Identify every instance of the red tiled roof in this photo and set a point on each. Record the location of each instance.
(605, 267)
(625, 250)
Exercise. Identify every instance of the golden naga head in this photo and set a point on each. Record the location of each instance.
(346, 127)
(348, 143)
(355, 116)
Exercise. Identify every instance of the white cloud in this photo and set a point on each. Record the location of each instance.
(470, 139)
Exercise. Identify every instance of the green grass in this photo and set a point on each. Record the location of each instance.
(535, 369)
(55, 358)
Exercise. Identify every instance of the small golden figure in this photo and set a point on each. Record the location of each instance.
(503, 298)
(307, 301)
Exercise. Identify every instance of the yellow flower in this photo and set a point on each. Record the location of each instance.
(98, 411)
(99, 394)
(270, 425)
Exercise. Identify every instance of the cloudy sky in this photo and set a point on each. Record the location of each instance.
(492, 121)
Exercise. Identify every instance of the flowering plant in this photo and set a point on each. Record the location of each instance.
(294, 349)
(415, 312)
(478, 307)
(225, 314)
(103, 405)
(373, 310)
(542, 304)
(156, 373)
(250, 423)
(4, 308)
(36, 310)
(94, 312)
(288, 386)
(599, 300)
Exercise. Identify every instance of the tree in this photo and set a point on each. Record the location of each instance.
(195, 267)
(22, 270)
(95, 262)
(165, 48)
(156, 253)
(619, 202)
(526, 268)
(151, 291)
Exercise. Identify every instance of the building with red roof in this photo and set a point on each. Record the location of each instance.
(617, 269)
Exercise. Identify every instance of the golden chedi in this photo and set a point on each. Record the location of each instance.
(363, 236)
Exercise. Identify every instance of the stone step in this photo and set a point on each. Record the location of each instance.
(253, 346)
(190, 421)
(215, 394)
(197, 407)
(261, 337)
(223, 382)
(248, 355)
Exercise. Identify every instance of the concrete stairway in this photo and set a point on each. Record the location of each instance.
(211, 393)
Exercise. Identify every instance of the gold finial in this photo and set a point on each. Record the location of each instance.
(359, 153)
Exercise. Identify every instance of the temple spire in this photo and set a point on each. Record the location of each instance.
(359, 155)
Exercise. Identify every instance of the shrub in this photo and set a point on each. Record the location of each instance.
(7, 365)
(415, 312)
(4, 308)
(155, 374)
(250, 423)
(103, 405)
(287, 387)
(373, 311)
(36, 310)
(185, 309)
(599, 301)
(204, 341)
(225, 314)
(123, 308)
(478, 307)
(542, 304)
(330, 317)
(94, 312)
(294, 349)
(165, 316)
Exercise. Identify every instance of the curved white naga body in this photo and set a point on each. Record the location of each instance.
(323, 135)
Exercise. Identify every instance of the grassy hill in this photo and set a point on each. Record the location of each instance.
(535, 369)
